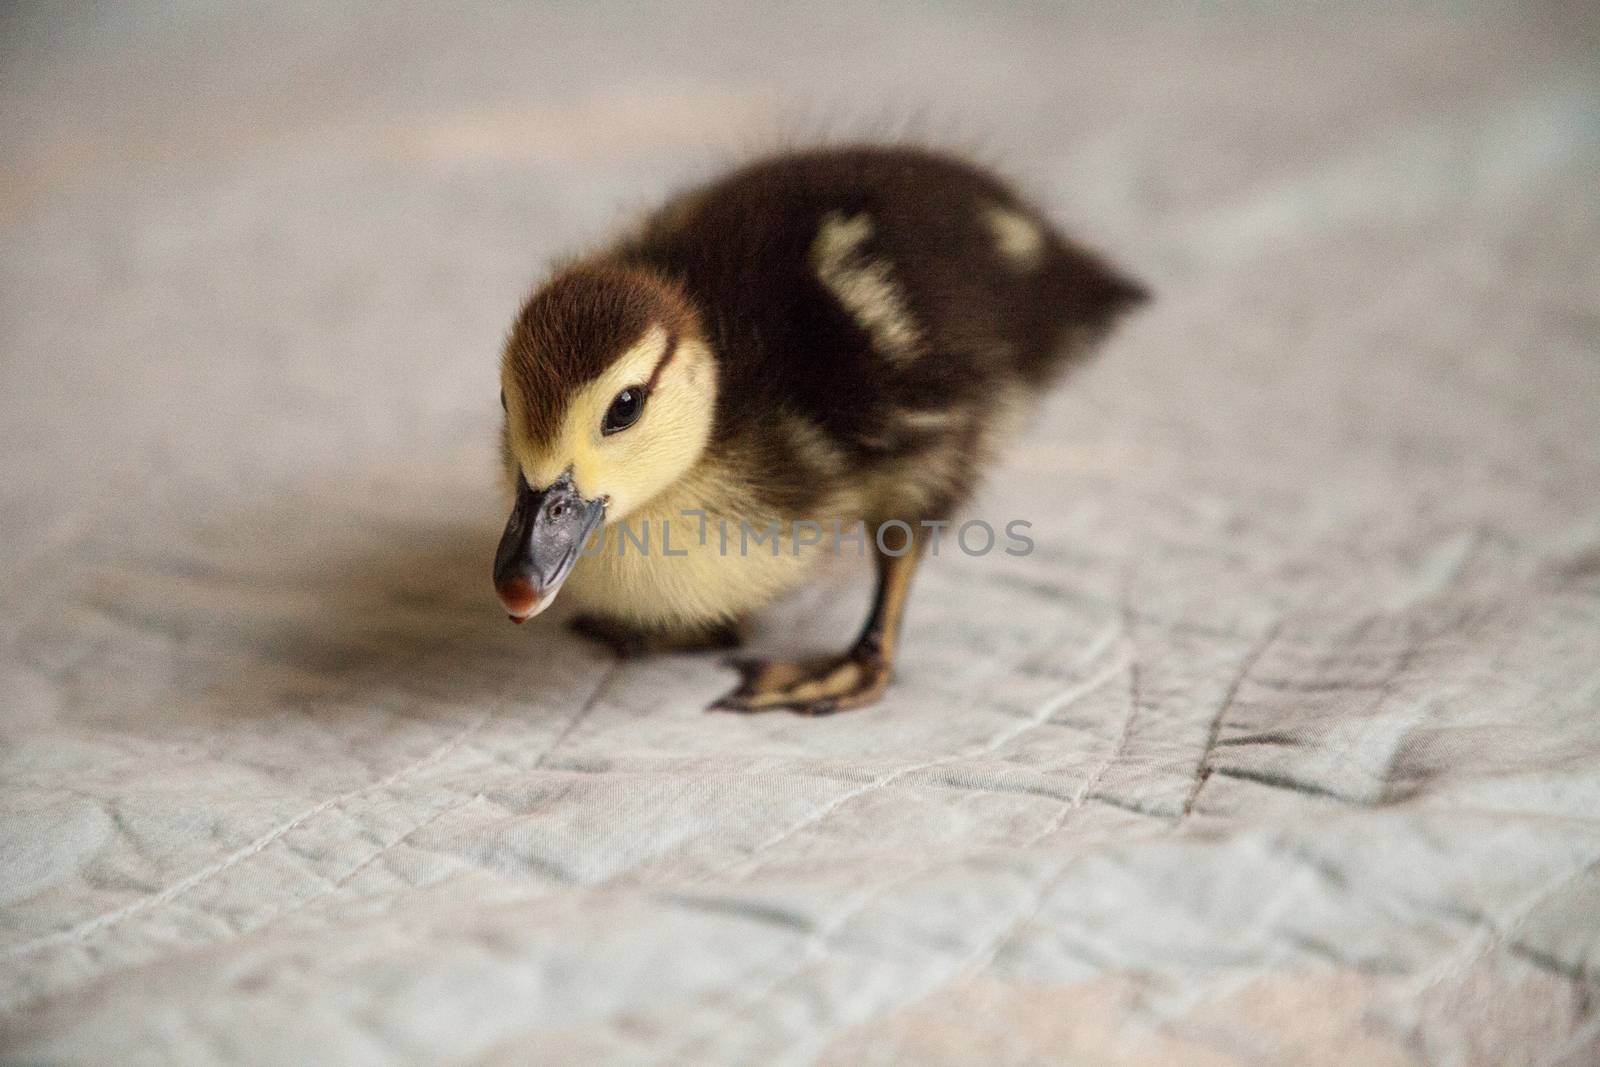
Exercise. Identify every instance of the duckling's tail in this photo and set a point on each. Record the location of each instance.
(1084, 297)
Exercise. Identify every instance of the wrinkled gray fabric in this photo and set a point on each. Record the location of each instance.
(1283, 747)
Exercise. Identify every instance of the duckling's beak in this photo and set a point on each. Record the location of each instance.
(547, 529)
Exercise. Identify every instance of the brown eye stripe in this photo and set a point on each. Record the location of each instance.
(661, 364)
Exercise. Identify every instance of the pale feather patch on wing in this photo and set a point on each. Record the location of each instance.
(865, 286)
(928, 421)
(905, 488)
(811, 445)
(1017, 238)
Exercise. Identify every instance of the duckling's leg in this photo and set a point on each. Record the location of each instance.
(823, 685)
(628, 641)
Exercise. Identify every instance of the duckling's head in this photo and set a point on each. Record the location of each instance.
(609, 390)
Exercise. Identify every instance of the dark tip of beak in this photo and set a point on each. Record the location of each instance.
(542, 539)
(519, 598)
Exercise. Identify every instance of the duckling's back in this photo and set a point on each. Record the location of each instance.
(891, 300)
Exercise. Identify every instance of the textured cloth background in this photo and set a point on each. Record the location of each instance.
(1284, 747)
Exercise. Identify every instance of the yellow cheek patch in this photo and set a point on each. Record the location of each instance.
(578, 444)
(634, 465)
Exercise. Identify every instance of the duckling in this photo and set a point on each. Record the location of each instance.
(817, 352)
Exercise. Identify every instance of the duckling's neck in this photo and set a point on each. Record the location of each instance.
(685, 558)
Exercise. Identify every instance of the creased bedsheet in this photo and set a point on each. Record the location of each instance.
(1282, 747)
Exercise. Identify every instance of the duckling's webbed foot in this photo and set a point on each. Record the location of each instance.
(823, 685)
(820, 685)
(630, 641)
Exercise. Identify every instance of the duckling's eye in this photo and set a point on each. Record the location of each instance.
(624, 410)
